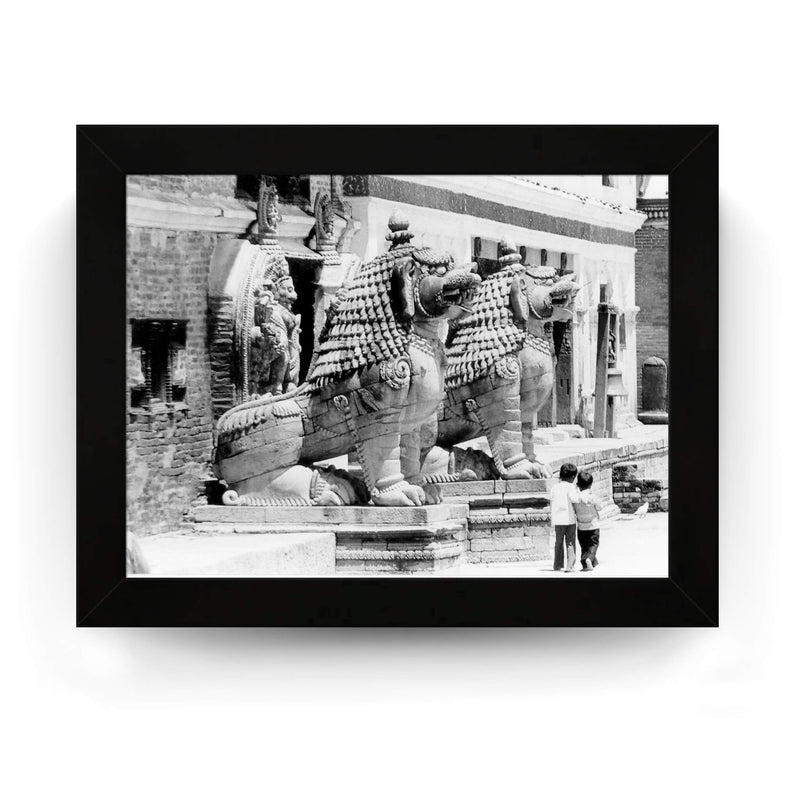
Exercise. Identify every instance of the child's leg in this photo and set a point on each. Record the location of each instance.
(595, 544)
(569, 538)
(558, 561)
(585, 543)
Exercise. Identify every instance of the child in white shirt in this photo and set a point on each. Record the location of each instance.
(562, 517)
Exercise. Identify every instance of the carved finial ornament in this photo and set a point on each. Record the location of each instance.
(267, 211)
(323, 221)
(398, 230)
(508, 254)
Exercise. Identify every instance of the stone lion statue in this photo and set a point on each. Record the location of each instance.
(376, 381)
(500, 363)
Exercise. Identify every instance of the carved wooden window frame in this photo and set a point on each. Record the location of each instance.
(161, 383)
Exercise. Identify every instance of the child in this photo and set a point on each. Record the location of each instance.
(562, 516)
(587, 513)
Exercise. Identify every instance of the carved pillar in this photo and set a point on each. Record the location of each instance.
(331, 272)
(601, 374)
(608, 378)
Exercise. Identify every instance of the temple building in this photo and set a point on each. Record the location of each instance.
(207, 255)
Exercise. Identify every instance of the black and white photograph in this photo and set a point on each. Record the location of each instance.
(399, 401)
(397, 375)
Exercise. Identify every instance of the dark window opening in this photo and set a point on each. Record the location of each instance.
(157, 365)
(247, 187)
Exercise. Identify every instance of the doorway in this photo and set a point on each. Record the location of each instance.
(558, 409)
(304, 274)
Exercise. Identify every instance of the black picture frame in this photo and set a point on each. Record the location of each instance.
(688, 154)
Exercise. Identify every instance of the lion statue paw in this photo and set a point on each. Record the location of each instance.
(400, 494)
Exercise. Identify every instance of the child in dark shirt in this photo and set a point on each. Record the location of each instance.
(587, 516)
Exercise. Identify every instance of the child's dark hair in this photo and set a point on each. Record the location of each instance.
(585, 480)
(568, 472)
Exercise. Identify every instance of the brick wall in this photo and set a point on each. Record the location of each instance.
(319, 183)
(652, 456)
(641, 481)
(224, 185)
(168, 452)
(652, 296)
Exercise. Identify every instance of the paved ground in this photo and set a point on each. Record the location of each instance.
(629, 547)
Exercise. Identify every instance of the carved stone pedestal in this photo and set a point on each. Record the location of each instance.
(420, 539)
(368, 538)
(508, 520)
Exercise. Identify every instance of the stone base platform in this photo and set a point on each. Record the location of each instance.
(231, 555)
(508, 520)
(368, 538)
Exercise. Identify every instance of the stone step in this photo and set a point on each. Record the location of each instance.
(367, 538)
(315, 515)
(229, 555)
(464, 489)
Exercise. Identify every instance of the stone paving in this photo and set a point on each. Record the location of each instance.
(630, 547)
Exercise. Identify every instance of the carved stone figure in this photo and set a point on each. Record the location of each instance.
(275, 360)
(375, 382)
(500, 363)
(323, 220)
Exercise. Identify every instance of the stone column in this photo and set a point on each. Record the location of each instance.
(601, 374)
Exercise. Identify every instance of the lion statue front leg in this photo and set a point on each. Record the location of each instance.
(379, 451)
